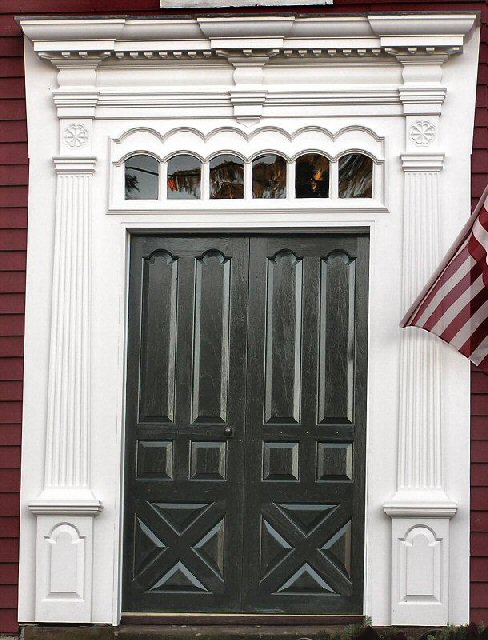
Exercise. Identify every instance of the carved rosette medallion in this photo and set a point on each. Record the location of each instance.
(76, 135)
(422, 132)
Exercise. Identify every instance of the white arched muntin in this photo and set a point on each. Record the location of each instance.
(246, 145)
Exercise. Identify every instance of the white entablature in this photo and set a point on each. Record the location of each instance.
(244, 63)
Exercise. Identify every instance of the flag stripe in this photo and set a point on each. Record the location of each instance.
(469, 286)
(460, 320)
(464, 268)
(450, 269)
(455, 307)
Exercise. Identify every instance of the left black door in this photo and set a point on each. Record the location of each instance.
(184, 306)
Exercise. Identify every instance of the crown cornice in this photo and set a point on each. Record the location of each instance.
(88, 40)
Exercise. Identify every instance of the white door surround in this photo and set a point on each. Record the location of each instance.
(400, 88)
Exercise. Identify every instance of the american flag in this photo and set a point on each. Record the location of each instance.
(454, 303)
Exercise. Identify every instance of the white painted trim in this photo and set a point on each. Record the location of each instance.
(123, 78)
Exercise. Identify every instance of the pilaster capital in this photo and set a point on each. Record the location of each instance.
(422, 162)
(81, 165)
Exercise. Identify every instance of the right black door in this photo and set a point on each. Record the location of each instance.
(305, 424)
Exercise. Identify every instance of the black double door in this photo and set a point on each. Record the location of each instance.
(245, 432)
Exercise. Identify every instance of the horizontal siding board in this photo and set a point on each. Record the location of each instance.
(479, 498)
(9, 458)
(12, 302)
(11, 346)
(13, 218)
(10, 413)
(12, 281)
(12, 260)
(479, 569)
(12, 325)
(14, 174)
(10, 507)
(12, 87)
(15, 132)
(9, 527)
(479, 594)
(479, 544)
(11, 390)
(9, 573)
(10, 434)
(479, 521)
(479, 451)
(13, 152)
(479, 474)
(12, 110)
(8, 620)
(11, 47)
(13, 196)
(9, 481)
(11, 369)
(13, 240)
(8, 596)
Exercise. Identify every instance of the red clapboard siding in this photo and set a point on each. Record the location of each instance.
(13, 218)
(10, 260)
(12, 325)
(8, 620)
(13, 223)
(9, 549)
(479, 569)
(11, 346)
(9, 573)
(479, 521)
(478, 472)
(9, 527)
(10, 434)
(15, 132)
(9, 483)
(479, 595)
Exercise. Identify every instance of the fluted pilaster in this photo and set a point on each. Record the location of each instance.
(420, 509)
(66, 507)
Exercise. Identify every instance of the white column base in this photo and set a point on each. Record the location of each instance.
(420, 557)
(64, 558)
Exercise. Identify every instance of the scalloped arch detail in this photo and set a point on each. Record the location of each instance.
(248, 135)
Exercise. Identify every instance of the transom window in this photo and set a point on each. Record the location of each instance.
(268, 175)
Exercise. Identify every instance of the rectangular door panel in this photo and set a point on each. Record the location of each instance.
(186, 364)
(305, 425)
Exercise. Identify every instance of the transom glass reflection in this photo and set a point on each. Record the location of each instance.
(184, 177)
(269, 176)
(355, 176)
(312, 176)
(226, 177)
(141, 178)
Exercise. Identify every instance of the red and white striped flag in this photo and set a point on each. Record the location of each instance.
(454, 303)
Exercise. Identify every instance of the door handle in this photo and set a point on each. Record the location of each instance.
(227, 432)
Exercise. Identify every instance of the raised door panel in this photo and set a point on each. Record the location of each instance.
(184, 494)
(303, 540)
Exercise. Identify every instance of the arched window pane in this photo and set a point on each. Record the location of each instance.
(355, 176)
(312, 176)
(226, 177)
(184, 174)
(141, 178)
(269, 177)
